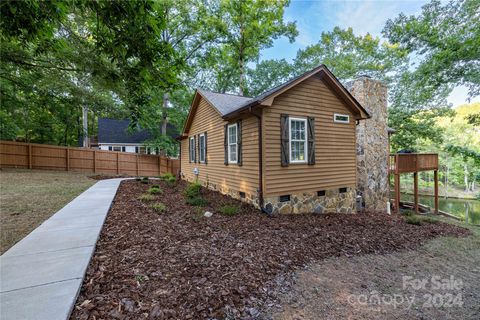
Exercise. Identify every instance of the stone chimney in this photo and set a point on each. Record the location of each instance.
(372, 143)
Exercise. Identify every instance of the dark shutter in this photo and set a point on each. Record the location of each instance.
(239, 142)
(189, 150)
(205, 146)
(198, 149)
(311, 140)
(194, 149)
(225, 143)
(285, 137)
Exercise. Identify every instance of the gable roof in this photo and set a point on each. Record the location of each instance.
(229, 105)
(116, 131)
(224, 103)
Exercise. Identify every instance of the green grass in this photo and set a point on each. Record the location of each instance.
(146, 197)
(155, 189)
(197, 201)
(229, 210)
(419, 220)
(29, 197)
(159, 207)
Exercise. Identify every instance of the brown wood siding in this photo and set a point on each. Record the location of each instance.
(239, 178)
(335, 142)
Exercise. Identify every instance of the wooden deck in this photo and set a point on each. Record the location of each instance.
(413, 163)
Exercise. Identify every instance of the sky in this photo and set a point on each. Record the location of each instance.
(314, 17)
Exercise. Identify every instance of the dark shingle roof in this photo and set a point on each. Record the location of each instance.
(224, 102)
(116, 131)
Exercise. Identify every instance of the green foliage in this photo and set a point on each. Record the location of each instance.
(155, 189)
(197, 201)
(447, 37)
(145, 180)
(146, 197)
(193, 190)
(169, 178)
(419, 220)
(159, 207)
(229, 210)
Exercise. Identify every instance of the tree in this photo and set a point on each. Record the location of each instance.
(348, 56)
(249, 26)
(445, 40)
(266, 75)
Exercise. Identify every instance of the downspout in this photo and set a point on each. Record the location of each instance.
(260, 161)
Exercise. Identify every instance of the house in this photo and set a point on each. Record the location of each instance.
(291, 149)
(113, 135)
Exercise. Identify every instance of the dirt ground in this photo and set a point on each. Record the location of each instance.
(178, 264)
(29, 197)
(390, 286)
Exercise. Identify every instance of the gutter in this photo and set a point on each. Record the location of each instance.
(260, 159)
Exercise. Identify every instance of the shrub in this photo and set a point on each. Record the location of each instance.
(193, 190)
(229, 210)
(159, 207)
(155, 189)
(418, 220)
(146, 197)
(197, 201)
(145, 180)
(138, 179)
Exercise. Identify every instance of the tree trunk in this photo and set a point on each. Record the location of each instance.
(446, 181)
(164, 114)
(85, 126)
(465, 179)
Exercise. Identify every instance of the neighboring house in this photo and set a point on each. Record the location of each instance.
(289, 150)
(113, 135)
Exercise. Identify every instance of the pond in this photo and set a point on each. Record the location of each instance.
(466, 209)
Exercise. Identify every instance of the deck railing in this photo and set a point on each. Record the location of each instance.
(413, 162)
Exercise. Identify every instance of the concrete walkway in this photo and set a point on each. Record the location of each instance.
(41, 276)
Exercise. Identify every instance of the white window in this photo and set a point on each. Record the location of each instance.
(192, 149)
(232, 143)
(201, 146)
(298, 140)
(341, 118)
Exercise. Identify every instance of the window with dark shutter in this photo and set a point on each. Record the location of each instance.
(195, 149)
(311, 140)
(284, 141)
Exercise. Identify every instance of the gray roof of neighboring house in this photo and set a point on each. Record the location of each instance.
(224, 102)
(116, 131)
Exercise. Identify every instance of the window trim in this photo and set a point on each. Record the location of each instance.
(305, 140)
(341, 115)
(191, 149)
(200, 136)
(231, 144)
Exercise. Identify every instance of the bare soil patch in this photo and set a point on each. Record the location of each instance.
(181, 265)
(29, 197)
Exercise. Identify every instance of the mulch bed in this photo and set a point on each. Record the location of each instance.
(181, 265)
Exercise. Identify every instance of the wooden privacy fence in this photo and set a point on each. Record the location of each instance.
(48, 157)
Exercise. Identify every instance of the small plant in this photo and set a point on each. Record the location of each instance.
(169, 178)
(146, 197)
(193, 190)
(138, 179)
(159, 207)
(197, 201)
(145, 180)
(155, 189)
(418, 220)
(229, 210)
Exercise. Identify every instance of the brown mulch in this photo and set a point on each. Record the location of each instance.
(181, 265)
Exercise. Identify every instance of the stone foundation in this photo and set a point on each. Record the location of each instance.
(307, 202)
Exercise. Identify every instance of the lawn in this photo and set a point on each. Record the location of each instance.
(29, 197)
(159, 257)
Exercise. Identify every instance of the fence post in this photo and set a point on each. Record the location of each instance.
(30, 156)
(137, 165)
(67, 155)
(118, 168)
(94, 161)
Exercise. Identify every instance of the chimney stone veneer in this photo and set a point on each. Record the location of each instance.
(372, 143)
